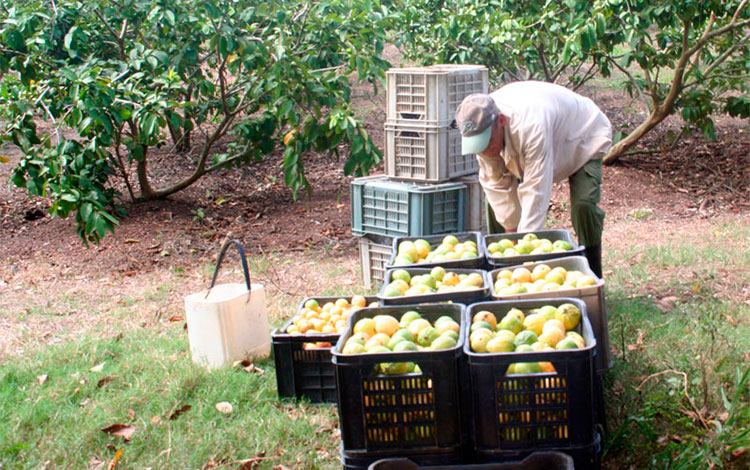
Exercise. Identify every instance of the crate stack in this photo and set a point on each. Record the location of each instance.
(429, 187)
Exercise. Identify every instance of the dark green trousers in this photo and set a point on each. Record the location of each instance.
(586, 215)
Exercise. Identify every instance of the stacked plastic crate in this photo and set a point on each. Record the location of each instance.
(429, 187)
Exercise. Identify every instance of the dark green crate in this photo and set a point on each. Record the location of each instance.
(380, 206)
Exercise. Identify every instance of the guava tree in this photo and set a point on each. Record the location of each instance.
(558, 41)
(674, 56)
(91, 89)
(686, 56)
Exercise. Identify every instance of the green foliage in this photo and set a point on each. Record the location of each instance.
(674, 56)
(129, 77)
(555, 41)
(685, 56)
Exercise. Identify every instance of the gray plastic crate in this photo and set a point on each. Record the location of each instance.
(476, 221)
(374, 255)
(421, 152)
(551, 235)
(432, 94)
(383, 207)
(592, 296)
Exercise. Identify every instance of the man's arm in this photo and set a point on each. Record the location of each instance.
(500, 189)
(535, 190)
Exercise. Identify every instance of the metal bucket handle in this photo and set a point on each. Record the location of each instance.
(245, 270)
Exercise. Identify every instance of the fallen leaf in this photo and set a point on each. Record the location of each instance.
(723, 417)
(280, 467)
(244, 363)
(104, 381)
(97, 368)
(132, 240)
(42, 378)
(179, 412)
(665, 304)
(131, 413)
(224, 407)
(176, 318)
(638, 342)
(84, 403)
(155, 420)
(113, 463)
(124, 431)
(4, 159)
(249, 464)
(737, 453)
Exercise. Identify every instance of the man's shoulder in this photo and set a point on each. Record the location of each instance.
(530, 88)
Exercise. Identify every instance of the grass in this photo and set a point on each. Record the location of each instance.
(702, 340)
(55, 401)
(60, 420)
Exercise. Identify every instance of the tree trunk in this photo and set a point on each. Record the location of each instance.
(622, 146)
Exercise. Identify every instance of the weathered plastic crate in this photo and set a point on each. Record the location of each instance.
(434, 241)
(592, 296)
(535, 461)
(527, 412)
(301, 372)
(374, 254)
(464, 297)
(585, 457)
(417, 414)
(551, 235)
(432, 94)
(476, 220)
(421, 152)
(383, 207)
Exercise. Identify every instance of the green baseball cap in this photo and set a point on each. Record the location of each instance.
(474, 118)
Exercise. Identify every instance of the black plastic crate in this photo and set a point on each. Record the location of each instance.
(383, 416)
(434, 241)
(426, 460)
(535, 461)
(527, 412)
(585, 457)
(551, 235)
(464, 297)
(304, 372)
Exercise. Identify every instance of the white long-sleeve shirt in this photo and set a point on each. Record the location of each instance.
(552, 132)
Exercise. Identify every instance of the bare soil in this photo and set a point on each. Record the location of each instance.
(698, 181)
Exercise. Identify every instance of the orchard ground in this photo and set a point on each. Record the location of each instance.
(55, 290)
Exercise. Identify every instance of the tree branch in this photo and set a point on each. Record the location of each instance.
(627, 73)
(118, 38)
(720, 60)
(121, 163)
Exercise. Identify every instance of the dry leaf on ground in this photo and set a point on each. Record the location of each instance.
(124, 431)
(179, 412)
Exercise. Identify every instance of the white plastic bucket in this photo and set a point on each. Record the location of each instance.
(228, 322)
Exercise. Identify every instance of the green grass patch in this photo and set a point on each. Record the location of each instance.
(145, 381)
(677, 396)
